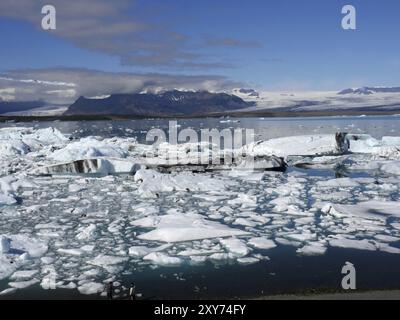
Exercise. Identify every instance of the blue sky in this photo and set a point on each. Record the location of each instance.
(276, 45)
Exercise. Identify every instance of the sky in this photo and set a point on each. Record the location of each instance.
(100, 46)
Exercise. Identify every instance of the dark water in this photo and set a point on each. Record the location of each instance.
(265, 128)
(285, 273)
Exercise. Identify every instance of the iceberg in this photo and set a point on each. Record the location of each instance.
(88, 148)
(13, 148)
(308, 145)
(103, 166)
(32, 137)
(312, 249)
(236, 247)
(90, 287)
(160, 258)
(262, 243)
(353, 244)
(152, 182)
(387, 147)
(181, 227)
(373, 210)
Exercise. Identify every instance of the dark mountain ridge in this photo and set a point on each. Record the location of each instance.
(168, 103)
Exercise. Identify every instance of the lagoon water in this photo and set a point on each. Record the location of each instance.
(264, 128)
(279, 270)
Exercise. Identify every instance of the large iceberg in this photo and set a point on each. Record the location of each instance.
(307, 145)
(88, 148)
(182, 227)
(387, 147)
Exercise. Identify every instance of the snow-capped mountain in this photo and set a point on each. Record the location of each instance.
(370, 90)
(246, 94)
(353, 99)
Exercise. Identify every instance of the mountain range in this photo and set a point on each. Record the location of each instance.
(370, 90)
(200, 103)
(167, 103)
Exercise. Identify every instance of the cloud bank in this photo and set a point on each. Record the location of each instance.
(117, 28)
(64, 85)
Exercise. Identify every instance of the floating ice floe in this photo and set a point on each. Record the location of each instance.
(353, 244)
(160, 258)
(106, 260)
(16, 250)
(10, 185)
(236, 247)
(91, 287)
(141, 251)
(152, 182)
(33, 137)
(310, 145)
(262, 243)
(312, 249)
(88, 148)
(388, 147)
(375, 210)
(182, 227)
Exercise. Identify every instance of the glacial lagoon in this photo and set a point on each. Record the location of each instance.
(175, 235)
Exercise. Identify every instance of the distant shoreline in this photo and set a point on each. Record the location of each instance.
(243, 114)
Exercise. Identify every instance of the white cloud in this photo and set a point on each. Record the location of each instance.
(65, 85)
(7, 94)
(114, 28)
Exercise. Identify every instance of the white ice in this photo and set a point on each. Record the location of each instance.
(182, 227)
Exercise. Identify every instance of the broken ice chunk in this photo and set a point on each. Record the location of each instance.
(262, 243)
(162, 259)
(184, 227)
(5, 244)
(375, 210)
(310, 145)
(151, 182)
(312, 249)
(235, 246)
(91, 288)
(353, 244)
